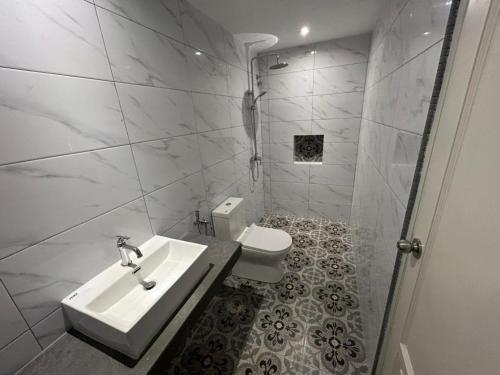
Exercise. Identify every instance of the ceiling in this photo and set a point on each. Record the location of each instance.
(327, 19)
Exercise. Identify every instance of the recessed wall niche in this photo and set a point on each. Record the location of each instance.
(308, 148)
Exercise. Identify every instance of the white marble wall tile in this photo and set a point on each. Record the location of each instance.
(237, 82)
(391, 54)
(339, 70)
(378, 141)
(281, 153)
(218, 178)
(398, 96)
(37, 106)
(242, 139)
(162, 162)
(391, 11)
(338, 79)
(173, 203)
(215, 146)
(201, 32)
(337, 105)
(329, 211)
(340, 153)
(12, 323)
(208, 73)
(386, 98)
(51, 328)
(289, 85)
(283, 132)
(415, 90)
(140, 55)
(153, 113)
(290, 172)
(18, 353)
(266, 152)
(332, 174)
(59, 36)
(264, 110)
(149, 67)
(39, 277)
(298, 58)
(290, 109)
(374, 66)
(424, 23)
(74, 188)
(211, 112)
(343, 51)
(401, 166)
(266, 133)
(337, 130)
(236, 114)
(289, 191)
(330, 194)
(160, 15)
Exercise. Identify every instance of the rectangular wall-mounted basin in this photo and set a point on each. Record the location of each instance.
(115, 309)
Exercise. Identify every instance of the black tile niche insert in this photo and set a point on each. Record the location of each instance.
(308, 148)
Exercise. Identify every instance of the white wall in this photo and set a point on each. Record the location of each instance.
(320, 92)
(404, 55)
(109, 124)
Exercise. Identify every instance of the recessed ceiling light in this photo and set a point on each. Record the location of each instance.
(197, 53)
(427, 33)
(304, 30)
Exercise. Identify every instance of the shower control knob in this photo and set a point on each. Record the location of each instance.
(414, 247)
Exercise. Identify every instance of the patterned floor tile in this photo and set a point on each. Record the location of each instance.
(308, 323)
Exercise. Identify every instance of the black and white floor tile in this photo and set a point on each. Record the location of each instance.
(308, 323)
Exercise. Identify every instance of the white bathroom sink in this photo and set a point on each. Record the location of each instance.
(115, 309)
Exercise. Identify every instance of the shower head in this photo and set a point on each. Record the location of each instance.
(278, 65)
(258, 96)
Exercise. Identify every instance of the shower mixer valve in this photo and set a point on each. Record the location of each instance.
(199, 221)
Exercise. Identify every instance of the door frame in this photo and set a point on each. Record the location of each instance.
(468, 35)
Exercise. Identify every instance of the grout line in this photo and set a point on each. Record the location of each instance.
(404, 64)
(76, 76)
(115, 146)
(22, 317)
(323, 67)
(391, 126)
(17, 337)
(310, 132)
(357, 149)
(63, 155)
(392, 22)
(124, 123)
(312, 95)
(384, 178)
(184, 43)
(72, 227)
(321, 119)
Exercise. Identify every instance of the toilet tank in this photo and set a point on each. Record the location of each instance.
(229, 219)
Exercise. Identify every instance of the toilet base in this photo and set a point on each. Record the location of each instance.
(255, 268)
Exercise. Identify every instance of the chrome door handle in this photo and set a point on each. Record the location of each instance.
(414, 247)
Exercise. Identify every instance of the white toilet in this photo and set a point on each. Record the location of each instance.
(263, 249)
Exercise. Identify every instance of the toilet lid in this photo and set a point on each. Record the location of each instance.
(266, 239)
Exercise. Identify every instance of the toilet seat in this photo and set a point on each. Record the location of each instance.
(265, 240)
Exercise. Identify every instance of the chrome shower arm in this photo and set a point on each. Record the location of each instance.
(251, 67)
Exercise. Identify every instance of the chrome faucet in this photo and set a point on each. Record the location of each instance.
(124, 248)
